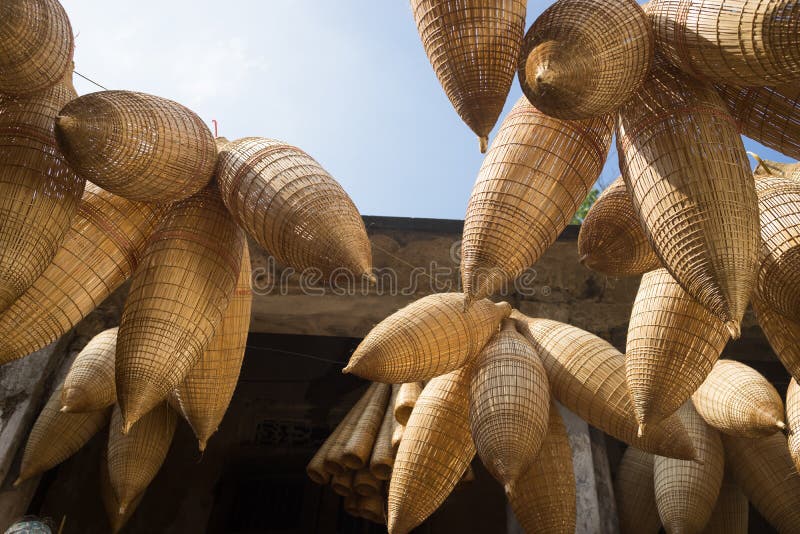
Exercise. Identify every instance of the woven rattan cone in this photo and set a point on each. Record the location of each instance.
(356, 453)
(373, 508)
(397, 436)
(543, 497)
(764, 471)
(116, 520)
(731, 512)
(206, 392)
(535, 176)
(382, 458)
(89, 385)
(36, 45)
(673, 342)
(689, 178)
(686, 492)
(736, 399)
(509, 403)
(435, 451)
(635, 494)
(39, 194)
(138, 146)
(406, 398)
(782, 333)
(793, 421)
(473, 46)
(135, 458)
(365, 483)
(342, 483)
(585, 58)
(587, 375)
(333, 460)
(177, 298)
(611, 239)
(742, 42)
(56, 436)
(429, 337)
(100, 251)
(293, 208)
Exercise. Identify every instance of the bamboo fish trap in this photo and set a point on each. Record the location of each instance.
(177, 298)
(207, 390)
(293, 208)
(321, 467)
(435, 451)
(793, 420)
(741, 42)
(89, 385)
(473, 46)
(635, 494)
(116, 519)
(731, 513)
(686, 492)
(382, 459)
(509, 401)
(333, 461)
(36, 45)
(585, 58)
(737, 400)
(611, 239)
(100, 251)
(673, 342)
(406, 399)
(535, 176)
(429, 337)
(397, 435)
(782, 333)
(365, 483)
(139, 146)
(342, 483)
(587, 375)
(687, 172)
(39, 194)
(372, 508)
(356, 452)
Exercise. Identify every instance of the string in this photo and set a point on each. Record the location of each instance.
(299, 354)
(90, 80)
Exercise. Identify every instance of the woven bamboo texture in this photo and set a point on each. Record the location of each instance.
(342, 483)
(473, 46)
(430, 337)
(116, 519)
(56, 436)
(775, 168)
(316, 468)
(39, 194)
(736, 399)
(793, 421)
(584, 58)
(635, 493)
(382, 459)
(731, 513)
(535, 176)
(135, 458)
(543, 497)
(509, 403)
(397, 436)
(36, 45)
(100, 251)
(207, 390)
(742, 42)
(293, 208)
(686, 492)
(139, 146)
(372, 508)
(334, 461)
(434, 453)
(350, 505)
(177, 298)
(689, 178)
(357, 451)
(673, 342)
(782, 333)
(587, 375)
(365, 483)
(611, 239)
(764, 471)
(406, 398)
(89, 384)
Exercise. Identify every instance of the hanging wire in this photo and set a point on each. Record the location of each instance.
(90, 80)
(298, 354)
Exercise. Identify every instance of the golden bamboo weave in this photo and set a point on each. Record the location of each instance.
(731, 513)
(775, 168)
(397, 436)
(316, 468)
(357, 451)
(116, 520)
(782, 333)
(635, 493)
(333, 461)
(342, 483)
(373, 508)
(89, 384)
(365, 483)
(793, 421)
(406, 398)
(382, 459)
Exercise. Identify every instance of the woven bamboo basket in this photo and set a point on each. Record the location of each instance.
(543, 497)
(635, 494)
(673, 342)
(135, 458)
(686, 492)
(611, 239)
(406, 398)
(207, 390)
(357, 451)
(139, 146)
(293, 208)
(382, 459)
(36, 45)
(89, 385)
(742, 42)
(116, 519)
(342, 483)
(434, 453)
(333, 460)
(39, 194)
(473, 46)
(100, 251)
(736, 399)
(764, 471)
(689, 178)
(535, 176)
(793, 420)
(587, 375)
(372, 508)
(509, 403)
(397, 437)
(584, 58)
(177, 298)
(782, 333)
(731, 513)
(365, 483)
(429, 337)
(56, 436)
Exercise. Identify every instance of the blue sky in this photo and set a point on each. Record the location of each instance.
(347, 81)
